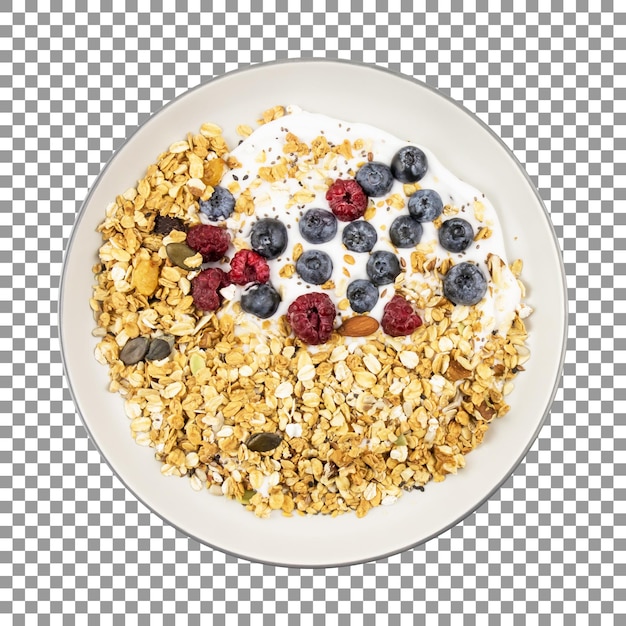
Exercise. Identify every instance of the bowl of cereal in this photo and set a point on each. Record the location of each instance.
(288, 318)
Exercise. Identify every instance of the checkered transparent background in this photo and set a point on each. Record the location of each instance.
(76, 78)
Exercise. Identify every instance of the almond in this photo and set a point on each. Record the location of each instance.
(456, 371)
(359, 326)
(486, 411)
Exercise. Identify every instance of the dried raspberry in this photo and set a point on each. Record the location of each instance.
(311, 317)
(399, 317)
(164, 225)
(204, 288)
(210, 241)
(347, 200)
(248, 267)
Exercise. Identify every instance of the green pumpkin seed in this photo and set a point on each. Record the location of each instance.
(159, 349)
(263, 442)
(134, 350)
(178, 252)
(247, 496)
(400, 441)
(196, 363)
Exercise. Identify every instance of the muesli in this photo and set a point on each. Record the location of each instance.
(314, 321)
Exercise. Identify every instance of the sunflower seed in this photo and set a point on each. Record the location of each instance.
(159, 349)
(134, 350)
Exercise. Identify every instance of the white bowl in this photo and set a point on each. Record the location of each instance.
(410, 110)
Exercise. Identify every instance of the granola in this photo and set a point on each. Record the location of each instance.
(249, 411)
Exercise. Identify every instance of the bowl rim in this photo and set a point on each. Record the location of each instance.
(329, 61)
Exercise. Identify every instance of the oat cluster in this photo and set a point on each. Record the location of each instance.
(358, 421)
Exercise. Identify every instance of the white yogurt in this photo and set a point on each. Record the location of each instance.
(280, 200)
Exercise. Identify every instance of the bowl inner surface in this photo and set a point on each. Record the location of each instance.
(409, 110)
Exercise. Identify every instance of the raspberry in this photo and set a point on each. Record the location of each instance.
(204, 288)
(311, 317)
(210, 241)
(248, 267)
(399, 317)
(347, 200)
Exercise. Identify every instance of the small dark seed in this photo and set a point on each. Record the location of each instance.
(159, 349)
(134, 350)
(263, 442)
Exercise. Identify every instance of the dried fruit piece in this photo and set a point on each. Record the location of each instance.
(213, 171)
(263, 442)
(146, 276)
(164, 225)
(359, 326)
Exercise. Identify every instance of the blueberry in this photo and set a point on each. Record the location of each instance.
(260, 300)
(425, 205)
(409, 164)
(219, 206)
(405, 232)
(318, 226)
(314, 266)
(363, 295)
(464, 283)
(456, 234)
(382, 267)
(375, 178)
(269, 238)
(359, 236)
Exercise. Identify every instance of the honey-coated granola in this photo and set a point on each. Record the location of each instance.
(358, 422)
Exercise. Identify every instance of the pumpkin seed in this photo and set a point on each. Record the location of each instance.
(247, 496)
(134, 350)
(196, 363)
(178, 252)
(159, 349)
(263, 442)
